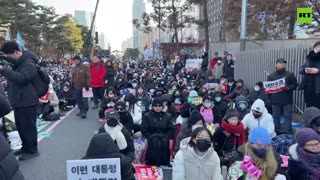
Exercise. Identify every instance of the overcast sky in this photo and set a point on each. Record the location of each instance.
(113, 18)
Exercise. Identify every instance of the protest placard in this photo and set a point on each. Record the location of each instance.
(271, 87)
(147, 173)
(87, 94)
(107, 169)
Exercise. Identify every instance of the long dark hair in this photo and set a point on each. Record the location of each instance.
(196, 132)
(132, 100)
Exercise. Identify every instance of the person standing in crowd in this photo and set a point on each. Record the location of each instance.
(205, 62)
(197, 159)
(178, 66)
(218, 69)
(225, 55)
(304, 162)
(311, 117)
(283, 101)
(260, 160)
(214, 61)
(102, 146)
(22, 96)
(228, 67)
(98, 73)
(257, 93)
(111, 73)
(259, 116)
(311, 79)
(81, 80)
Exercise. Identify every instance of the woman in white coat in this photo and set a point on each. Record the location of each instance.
(134, 108)
(197, 159)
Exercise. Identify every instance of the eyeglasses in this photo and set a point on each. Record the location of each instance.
(159, 105)
(316, 145)
(119, 109)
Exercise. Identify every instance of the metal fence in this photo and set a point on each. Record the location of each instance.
(256, 65)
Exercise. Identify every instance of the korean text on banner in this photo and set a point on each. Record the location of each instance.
(193, 64)
(94, 169)
(148, 173)
(87, 94)
(272, 87)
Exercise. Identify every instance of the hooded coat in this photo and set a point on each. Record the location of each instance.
(21, 91)
(242, 112)
(296, 169)
(111, 73)
(265, 121)
(310, 115)
(102, 146)
(188, 165)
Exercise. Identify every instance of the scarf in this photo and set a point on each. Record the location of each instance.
(311, 161)
(117, 135)
(238, 129)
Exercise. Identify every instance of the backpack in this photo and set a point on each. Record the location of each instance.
(158, 150)
(41, 82)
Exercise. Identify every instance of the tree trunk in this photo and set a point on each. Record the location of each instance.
(206, 26)
(175, 24)
(292, 22)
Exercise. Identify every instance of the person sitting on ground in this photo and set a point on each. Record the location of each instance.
(134, 108)
(197, 159)
(260, 160)
(304, 162)
(311, 117)
(258, 93)
(238, 91)
(157, 122)
(48, 104)
(125, 117)
(196, 120)
(66, 98)
(229, 137)
(108, 102)
(102, 146)
(242, 105)
(259, 116)
(119, 134)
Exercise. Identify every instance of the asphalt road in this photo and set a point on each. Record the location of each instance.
(69, 141)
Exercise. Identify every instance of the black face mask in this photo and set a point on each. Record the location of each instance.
(203, 145)
(112, 122)
(257, 116)
(261, 153)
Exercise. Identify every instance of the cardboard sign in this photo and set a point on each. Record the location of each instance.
(147, 173)
(94, 169)
(272, 87)
(87, 94)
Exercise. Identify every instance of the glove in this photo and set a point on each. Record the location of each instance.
(86, 88)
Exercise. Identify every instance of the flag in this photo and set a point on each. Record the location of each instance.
(7, 38)
(20, 41)
(145, 48)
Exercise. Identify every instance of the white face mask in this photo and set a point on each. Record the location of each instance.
(257, 88)
(196, 126)
(134, 85)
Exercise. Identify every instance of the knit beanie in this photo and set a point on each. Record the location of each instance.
(157, 101)
(121, 104)
(304, 135)
(195, 117)
(259, 135)
(193, 93)
(231, 113)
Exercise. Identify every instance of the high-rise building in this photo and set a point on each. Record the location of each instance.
(127, 44)
(83, 18)
(138, 9)
(102, 41)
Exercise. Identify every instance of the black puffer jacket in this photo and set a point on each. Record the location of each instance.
(310, 81)
(9, 167)
(157, 123)
(4, 106)
(284, 97)
(102, 146)
(20, 89)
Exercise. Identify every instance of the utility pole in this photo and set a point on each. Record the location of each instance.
(159, 23)
(243, 25)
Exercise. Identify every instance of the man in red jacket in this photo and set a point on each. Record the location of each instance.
(213, 62)
(98, 73)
